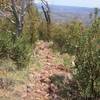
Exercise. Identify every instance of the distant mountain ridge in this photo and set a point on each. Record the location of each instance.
(71, 9)
(69, 13)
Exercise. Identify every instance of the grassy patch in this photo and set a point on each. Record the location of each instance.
(8, 70)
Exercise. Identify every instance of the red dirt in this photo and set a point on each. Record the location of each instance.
(40, 87)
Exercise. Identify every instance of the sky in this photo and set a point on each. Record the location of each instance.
(79, 3)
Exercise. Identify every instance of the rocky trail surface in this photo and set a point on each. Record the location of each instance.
(49, 81)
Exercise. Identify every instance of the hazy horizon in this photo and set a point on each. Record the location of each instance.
(74, 3)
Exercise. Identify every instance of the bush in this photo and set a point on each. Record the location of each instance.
(66, 36)
(84, 43)
(19, 50)
(87, 62)
(5, 44)
(44, 31)
(31, 24)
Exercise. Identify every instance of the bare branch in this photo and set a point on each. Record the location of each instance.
(12, 21)
(46, 10)
(13, 6)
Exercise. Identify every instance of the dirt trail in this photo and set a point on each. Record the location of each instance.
(40, 85)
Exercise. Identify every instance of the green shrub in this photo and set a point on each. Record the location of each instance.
(88, 61)
(43, 32)
(66, 37)
(5, 44)
(19, 50)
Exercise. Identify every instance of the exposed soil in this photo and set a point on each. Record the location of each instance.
(41, 86)
(48, 82)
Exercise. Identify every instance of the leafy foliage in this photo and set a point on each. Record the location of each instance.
(67, 36)
(87, 60)
(18, 51)
(73, 38)
(83, 42)
(19, 48)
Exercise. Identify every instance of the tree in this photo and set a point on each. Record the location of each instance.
(46, 11)
(18, 10)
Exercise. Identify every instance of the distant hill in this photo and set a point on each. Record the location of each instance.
(68, 13)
